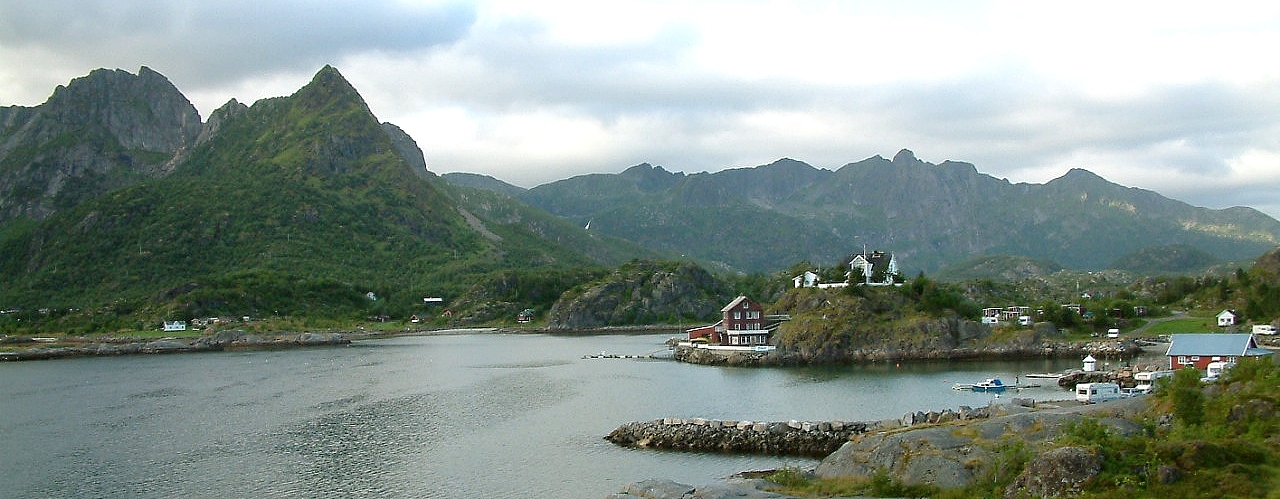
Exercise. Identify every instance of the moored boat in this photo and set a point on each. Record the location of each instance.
(990, 385)
(1043, 375)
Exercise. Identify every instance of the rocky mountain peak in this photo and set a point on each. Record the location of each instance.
(101, 131)
(143, 112)
(905, 157)
(328, 91)
(219, 116)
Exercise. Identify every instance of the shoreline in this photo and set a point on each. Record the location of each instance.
(47, 348)
(50, 348)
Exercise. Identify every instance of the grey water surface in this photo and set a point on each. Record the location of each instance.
(450, 416)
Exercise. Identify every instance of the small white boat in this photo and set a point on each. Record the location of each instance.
(1043, 375)
(989, 385)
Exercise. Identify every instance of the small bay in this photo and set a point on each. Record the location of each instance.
(448, 415)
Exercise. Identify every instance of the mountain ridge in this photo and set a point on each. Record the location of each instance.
(298, 204)
(930, 215)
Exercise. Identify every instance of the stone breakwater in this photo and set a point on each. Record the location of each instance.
(224, 340)
(788, 438)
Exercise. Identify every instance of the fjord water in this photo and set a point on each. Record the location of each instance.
(456, 416)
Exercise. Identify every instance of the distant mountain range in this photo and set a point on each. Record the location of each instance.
(115, 192)
(929, 216)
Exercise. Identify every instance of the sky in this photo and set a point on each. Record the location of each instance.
(1181, 98)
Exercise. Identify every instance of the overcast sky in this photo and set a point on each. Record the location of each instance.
(1179, 98)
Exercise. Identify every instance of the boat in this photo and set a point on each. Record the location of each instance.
(1043, 375)
(990, 385)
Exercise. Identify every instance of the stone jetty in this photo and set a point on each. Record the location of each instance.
(784, 438)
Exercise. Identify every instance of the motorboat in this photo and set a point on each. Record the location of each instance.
(989, 385)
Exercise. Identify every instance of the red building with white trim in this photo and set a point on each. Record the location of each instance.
(742, 323)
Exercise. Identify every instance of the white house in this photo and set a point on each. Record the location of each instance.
(1227, 318)
(170, 326)
(809, 279)
(877, 263)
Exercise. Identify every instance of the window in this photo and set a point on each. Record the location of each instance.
(1182, 359)
(737, 314)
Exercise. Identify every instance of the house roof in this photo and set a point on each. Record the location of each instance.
(736, 301)
(879, 260)
(1220, 344)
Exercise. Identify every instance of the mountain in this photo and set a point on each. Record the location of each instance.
(1172, 259)
(293, 205)
(102, 131)
(929, 216)
(483, 182)
(1001, 267)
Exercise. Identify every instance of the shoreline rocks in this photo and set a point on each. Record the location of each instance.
(784, 357)
(221, 341)
(782, 438)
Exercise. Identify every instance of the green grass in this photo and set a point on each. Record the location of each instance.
(1189, 325)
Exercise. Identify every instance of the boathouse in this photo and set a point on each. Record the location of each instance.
(1198, 350)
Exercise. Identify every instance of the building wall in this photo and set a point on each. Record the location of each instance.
(1200, 362)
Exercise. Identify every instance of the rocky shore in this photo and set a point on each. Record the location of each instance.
(782, 356)
(223, 340)
(947, 449)
(783, 438)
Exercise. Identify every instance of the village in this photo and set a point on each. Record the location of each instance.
(744, 327)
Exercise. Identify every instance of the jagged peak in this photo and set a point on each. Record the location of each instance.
(1077, 176)
(329, 83)
(905, 156)
(328, 75)
(644, 168)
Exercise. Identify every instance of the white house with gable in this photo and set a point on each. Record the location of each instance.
(878, 268)
(1227, 318)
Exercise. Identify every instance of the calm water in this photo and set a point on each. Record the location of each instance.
(457, 416)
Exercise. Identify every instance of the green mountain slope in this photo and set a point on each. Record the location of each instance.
(930, 216)
(298, 204)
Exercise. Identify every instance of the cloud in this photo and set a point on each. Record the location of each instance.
(209, 44)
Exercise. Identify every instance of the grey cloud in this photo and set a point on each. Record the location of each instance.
(218, 42)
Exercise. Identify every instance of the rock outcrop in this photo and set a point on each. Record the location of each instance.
(640, 293)
(100, 132)
(1056, 473)
(953, 455)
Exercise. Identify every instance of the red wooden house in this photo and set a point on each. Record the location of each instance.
(1198, 350)
(742, 323)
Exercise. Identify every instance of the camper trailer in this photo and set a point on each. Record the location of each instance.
(1092, 393)
(1266, 329)
(1214, 371)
